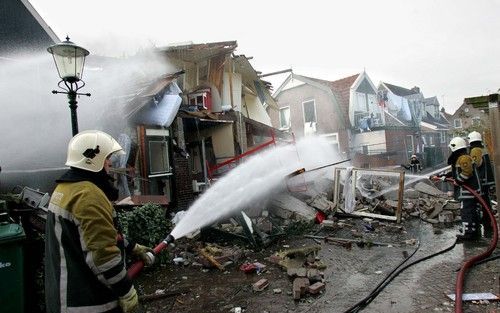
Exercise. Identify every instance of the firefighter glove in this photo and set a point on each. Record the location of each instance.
(144, 253)
(129, 301)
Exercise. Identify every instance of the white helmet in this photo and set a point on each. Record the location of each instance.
(89, 149)
(474, 136)
(457, 143)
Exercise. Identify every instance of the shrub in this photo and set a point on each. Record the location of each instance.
(146, 225)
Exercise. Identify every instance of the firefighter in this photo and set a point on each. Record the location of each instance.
(482, 162)
(414, 165)
(463, 171)
(84, 260)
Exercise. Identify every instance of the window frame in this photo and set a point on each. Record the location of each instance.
(289, 124)
(304, 111)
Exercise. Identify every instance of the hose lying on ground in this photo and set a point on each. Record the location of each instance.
(470, 262)
(400, 268)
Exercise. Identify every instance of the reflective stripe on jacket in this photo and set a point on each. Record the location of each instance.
(84, 267)
(465, 171)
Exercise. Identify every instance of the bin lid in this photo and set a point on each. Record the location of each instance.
(11, 232)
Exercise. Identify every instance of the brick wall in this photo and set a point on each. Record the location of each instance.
(183, 189)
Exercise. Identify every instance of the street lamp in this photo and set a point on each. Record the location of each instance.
(70, 60)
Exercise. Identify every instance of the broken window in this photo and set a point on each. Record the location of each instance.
(285, 118)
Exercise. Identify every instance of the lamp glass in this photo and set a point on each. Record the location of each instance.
(69, 59)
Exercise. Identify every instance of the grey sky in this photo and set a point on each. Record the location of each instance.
(449, 48)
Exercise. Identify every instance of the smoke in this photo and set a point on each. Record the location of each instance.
(35, 125)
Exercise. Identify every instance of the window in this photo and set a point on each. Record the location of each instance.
(409, 145)
(457, 123)
(285, 118)
(442, 136)
(158, 151)
(158, 157)
(361, 102)
(309, 111)
(431, 140)
(333, 138)
(476, 121)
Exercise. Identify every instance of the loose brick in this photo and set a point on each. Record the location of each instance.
(300, 285)
(261, 285)
(316, 288)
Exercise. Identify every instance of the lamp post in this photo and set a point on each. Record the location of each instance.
(70, 60)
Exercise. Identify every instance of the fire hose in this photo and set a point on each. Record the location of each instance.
(137, 267)
(460, 276)
(470, 262)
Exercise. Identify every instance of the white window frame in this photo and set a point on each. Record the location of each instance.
(333, 138)
(304, 111)
(289, 124)
(442, 136)
(456, 122)
(409, 150)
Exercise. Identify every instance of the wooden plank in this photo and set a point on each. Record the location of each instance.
(379, 216)
(211, 259)
(400, 196)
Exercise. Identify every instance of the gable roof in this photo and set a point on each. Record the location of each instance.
(339, 89)
(23, 29)
(400, 91)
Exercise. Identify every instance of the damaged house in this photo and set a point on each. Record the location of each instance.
(364, 123)
(188, 127)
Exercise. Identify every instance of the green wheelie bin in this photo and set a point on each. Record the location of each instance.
(11, 268)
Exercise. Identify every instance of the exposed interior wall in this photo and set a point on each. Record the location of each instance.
(223, 143)
(253, 109)
(190, 76)
(231, 85)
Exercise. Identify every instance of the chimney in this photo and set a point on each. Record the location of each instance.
(416, 89)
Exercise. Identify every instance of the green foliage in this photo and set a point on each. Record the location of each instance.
(146, 225)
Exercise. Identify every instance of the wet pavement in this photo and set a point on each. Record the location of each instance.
(350, 276)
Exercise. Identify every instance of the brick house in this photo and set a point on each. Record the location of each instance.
(309, 106)
(467, 119)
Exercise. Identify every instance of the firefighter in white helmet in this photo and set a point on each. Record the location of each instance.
(414, 165)
(84, 259)
(464, 172)
(484, 168)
